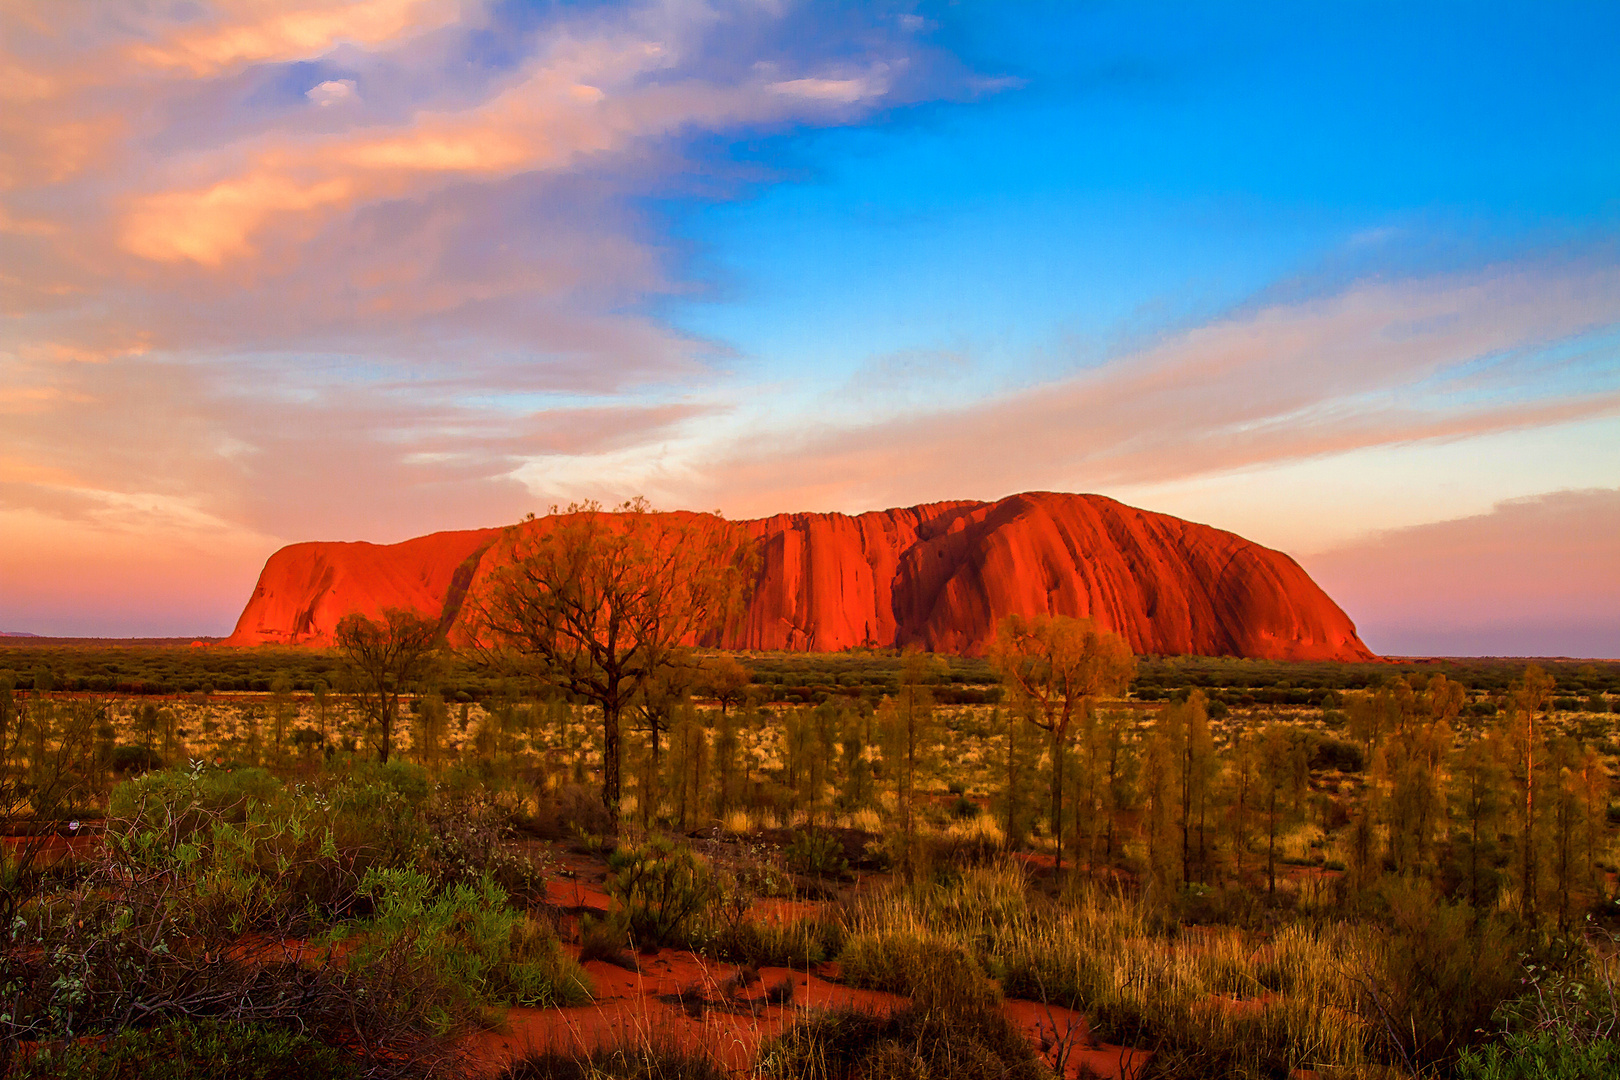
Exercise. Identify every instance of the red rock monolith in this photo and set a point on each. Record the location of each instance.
(940, 575)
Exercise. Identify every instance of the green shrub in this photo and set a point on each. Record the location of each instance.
(255, 853)
(467, 839)
(1442, 975)
(816, 854)
(474, 949)
(192, 1050)
(660, 887)
(119, 949)
(1542, 1055)
(192, 798)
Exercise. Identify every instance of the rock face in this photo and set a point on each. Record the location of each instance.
(304, 589)
(940, 575)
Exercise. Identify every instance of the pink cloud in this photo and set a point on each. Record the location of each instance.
(1534, 577)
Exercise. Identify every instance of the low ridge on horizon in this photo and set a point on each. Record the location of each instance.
(940, 575)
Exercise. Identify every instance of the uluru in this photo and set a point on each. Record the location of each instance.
(940, 575)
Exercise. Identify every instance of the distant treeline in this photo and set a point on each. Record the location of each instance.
(800, 678)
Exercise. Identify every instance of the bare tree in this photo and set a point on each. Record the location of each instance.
(597, 604)
(385, 659)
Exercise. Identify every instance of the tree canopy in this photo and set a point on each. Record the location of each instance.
(597, 603)
(1059, 665)
(385, 658)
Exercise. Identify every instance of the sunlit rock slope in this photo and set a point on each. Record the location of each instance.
(939, 575)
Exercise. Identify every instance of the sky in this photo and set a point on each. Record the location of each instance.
(1342, 278)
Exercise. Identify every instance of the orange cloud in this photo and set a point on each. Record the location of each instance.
(255, 31)
(215, 224)
(583, 100)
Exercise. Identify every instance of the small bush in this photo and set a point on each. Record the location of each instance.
(255, 853)
(605, 940)
(1443, 974)
(795, 944)
(816, 854)
(1542, 1055)
(467, 839)
(473, 950)
(912, 965)
(1343, 755)
(135, 759)
(660, 887)
(192, 1050)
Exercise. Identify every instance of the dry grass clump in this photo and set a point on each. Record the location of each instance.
(1207, 1002)
(765, 944)
(952, 1030)
(1400, 991)
(646, 1061)
(908, 962)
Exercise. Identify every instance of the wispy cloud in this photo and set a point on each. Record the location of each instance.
(1377, 364)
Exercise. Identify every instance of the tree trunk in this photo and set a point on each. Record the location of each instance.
(1271, 845)
(1473, 846)
(610, 766)
(390, 709)
(1057, 794)
(1186, 811)
(1012, 748)
(1529, 899)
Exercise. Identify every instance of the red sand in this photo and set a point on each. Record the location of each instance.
(576, 895)
(940, 575)
(628, 1008)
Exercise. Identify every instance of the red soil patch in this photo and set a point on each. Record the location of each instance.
(660, 1003)
(629, 1007)
(1064, 1040)
(577, 895)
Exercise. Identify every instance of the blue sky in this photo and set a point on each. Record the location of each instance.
(1146, 165)
(1336, 277)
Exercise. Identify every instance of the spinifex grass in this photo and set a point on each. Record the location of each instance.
(1205, 1000)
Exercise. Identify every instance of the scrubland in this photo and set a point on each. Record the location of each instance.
(1376, 871)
